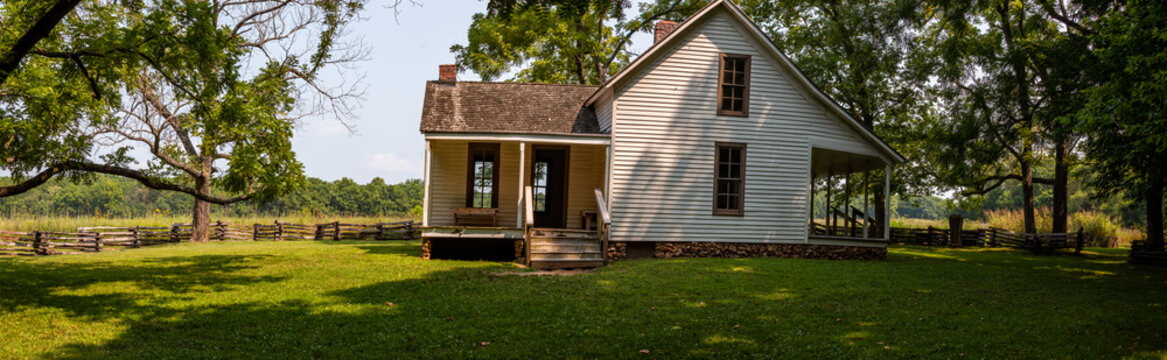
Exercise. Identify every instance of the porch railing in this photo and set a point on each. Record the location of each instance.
(605, 224)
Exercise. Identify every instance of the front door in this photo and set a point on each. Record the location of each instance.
(549, 185)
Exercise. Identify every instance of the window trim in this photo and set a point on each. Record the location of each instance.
(470, 173)
(741, 210)
(721, 85)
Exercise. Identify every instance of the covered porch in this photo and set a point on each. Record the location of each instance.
(509, 191)
(841, 205)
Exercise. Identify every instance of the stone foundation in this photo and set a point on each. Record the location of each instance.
(520, 255)
(617, 250)
(425, 248)
(664, 250)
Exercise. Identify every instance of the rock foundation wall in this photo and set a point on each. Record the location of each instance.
(664, 250)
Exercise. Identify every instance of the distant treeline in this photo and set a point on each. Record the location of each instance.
(113, 196)
(120, 197)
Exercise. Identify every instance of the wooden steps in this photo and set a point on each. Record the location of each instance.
(565, 249)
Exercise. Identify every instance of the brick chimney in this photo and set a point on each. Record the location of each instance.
(663, 28)
(448, 73)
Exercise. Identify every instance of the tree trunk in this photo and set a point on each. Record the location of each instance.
(1024, 108)
(880, 207)
(1155, 214)
(1027, 201)
(201, 224)
(1061, 182)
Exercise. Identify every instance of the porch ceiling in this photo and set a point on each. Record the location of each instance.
(826, 161)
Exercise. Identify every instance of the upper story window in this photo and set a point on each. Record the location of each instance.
(482, 182)
(733, 90)
(729, 182)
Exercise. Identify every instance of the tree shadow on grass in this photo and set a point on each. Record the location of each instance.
(984, 306)
(97, 290)
(386, 247)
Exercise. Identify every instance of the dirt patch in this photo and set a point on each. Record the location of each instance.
(560, 272)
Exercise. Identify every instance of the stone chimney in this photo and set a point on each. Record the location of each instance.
(448, 73)
(663, 29)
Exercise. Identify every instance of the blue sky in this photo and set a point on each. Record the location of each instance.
(405, 53)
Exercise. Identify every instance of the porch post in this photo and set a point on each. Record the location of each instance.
(811, 202)
(608, 173)
(887, 201)
(866, 213)
(522, 180)
(849, 217)
(611, 152)
(830, 207)
(425, 207)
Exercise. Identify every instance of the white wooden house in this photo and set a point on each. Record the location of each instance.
(706, 144)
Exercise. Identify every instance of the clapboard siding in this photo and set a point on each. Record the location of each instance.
(584, 164)
(664, 126)
(508, 184)
(447, 180)
(604, 114)
(448, 176)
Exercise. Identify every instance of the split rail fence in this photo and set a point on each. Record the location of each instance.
(1143, 254)
(99, 238)
(990, 237)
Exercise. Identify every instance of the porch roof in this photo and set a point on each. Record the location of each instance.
(513, 108)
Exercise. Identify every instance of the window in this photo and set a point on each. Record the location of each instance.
(482, 176)
(734, 85)
(539, 185)
(729, 182)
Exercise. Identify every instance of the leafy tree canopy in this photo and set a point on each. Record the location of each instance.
(211, 90)
(558, 41)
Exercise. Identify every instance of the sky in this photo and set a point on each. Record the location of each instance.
(404, 53)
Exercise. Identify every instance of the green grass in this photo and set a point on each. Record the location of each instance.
(328, 300)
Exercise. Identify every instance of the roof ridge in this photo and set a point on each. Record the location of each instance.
(523, 83)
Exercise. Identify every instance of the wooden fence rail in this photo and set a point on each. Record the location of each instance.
(991, 237)
(99, 238)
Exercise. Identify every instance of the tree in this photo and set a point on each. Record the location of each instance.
(865, 55)
(991, 80)
(205, 84)
(558, 41)
(1124, 110)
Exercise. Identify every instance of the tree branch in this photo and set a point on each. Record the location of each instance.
(156, 103)
(628, 34)
(1049, 10)
(76, 58)
(39, 30)
(1000, 179)
(143, 178)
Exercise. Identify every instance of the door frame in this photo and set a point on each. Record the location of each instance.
(566, 171)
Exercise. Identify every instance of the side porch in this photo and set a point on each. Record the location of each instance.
(841, 207)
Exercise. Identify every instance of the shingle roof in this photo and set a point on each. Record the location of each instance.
(507, 108)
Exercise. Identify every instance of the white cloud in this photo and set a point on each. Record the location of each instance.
(389, 162)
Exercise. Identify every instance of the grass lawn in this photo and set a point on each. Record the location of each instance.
(331, 300)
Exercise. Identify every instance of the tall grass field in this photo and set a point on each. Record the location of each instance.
(1098, 229)
(71, 223)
